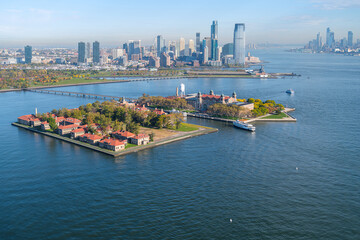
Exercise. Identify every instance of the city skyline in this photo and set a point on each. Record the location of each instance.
(64, 24)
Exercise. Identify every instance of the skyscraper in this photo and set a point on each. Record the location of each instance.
(191, 47)
(159, 45)
(350, 38)
(214, 30)
(239, 43)
(328, 44)
(96, 52)
(198, 43)
(318, 44)
(81, 52)
(182, 47)
(214, 40)
(207, 43)
(88, 50)
(228, 49)
(28, 54)
(164, 60)
(205, 55)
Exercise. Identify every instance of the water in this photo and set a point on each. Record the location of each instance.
(286, 181)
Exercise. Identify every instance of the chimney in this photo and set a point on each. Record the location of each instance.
(35, 111)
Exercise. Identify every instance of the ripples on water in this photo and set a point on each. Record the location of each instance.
(191, 189)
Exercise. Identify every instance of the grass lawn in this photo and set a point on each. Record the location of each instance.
(276, 116)
(129, 145)
(187, 127)
(71, 81)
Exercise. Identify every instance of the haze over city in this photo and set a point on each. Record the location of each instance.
(63, 24)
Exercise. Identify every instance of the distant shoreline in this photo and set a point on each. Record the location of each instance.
(106, 81)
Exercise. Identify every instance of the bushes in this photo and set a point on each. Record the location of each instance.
(224, 110)
(165, 103)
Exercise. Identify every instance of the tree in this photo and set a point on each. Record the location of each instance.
(52, 123)
(151, 135)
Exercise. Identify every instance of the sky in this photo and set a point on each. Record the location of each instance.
(49, 23)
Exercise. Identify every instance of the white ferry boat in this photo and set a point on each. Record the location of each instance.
(290, 91)
(245, 126)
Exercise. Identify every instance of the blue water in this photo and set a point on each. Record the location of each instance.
(191, 189)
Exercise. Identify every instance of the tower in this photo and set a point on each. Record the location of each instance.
(234, 95)
(81, 52)
(214, 39)
(96, 52)
(28, 54)
(198, 43)
(239, 44)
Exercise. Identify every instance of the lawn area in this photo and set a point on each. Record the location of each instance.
(276, 116)
(71, 81)
(129, 145)
(187, 127)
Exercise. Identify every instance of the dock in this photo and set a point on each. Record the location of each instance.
(289, 118)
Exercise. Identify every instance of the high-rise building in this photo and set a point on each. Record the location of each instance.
(214, 30)
(214, 45)
(239, 44)
(182, 47)
(191, 47)
(88, 50)
(350, 38)
(117, 52)
(81, 52)
(160, 44)
(218, 53)
(205, 55)
(207, 43)
(154, 62)
(328, 44)
(198, 42)
(318, 44)
(96, 52)
(228, 49)
(332, 39)
(214, 40)
(126, 48)
(28, 54)
(164, 60)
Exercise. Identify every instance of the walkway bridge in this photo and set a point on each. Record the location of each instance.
(79, 94)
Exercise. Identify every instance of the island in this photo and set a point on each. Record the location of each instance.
(111, 127)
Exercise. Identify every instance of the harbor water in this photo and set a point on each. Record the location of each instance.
(286, 181)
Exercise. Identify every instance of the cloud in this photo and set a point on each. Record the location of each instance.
(336, 4)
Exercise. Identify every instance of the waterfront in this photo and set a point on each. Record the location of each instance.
(191, 188)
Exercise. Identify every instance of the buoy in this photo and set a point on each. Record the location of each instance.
(230, 220)
(297, 168)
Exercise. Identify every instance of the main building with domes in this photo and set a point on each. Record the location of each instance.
(202, 101)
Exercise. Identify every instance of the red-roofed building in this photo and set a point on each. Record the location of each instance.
(66, 129)
(140, 139)
(202, 101)
(29, 120)
(90, 138)
(159, 112)
(77, 132)
(45, 126)
(112, 144)
(59, 120)
(123, 135)
(141, 108)
(71, 120)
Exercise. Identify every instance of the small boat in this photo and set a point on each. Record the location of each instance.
(244, 125)
(290, 91)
